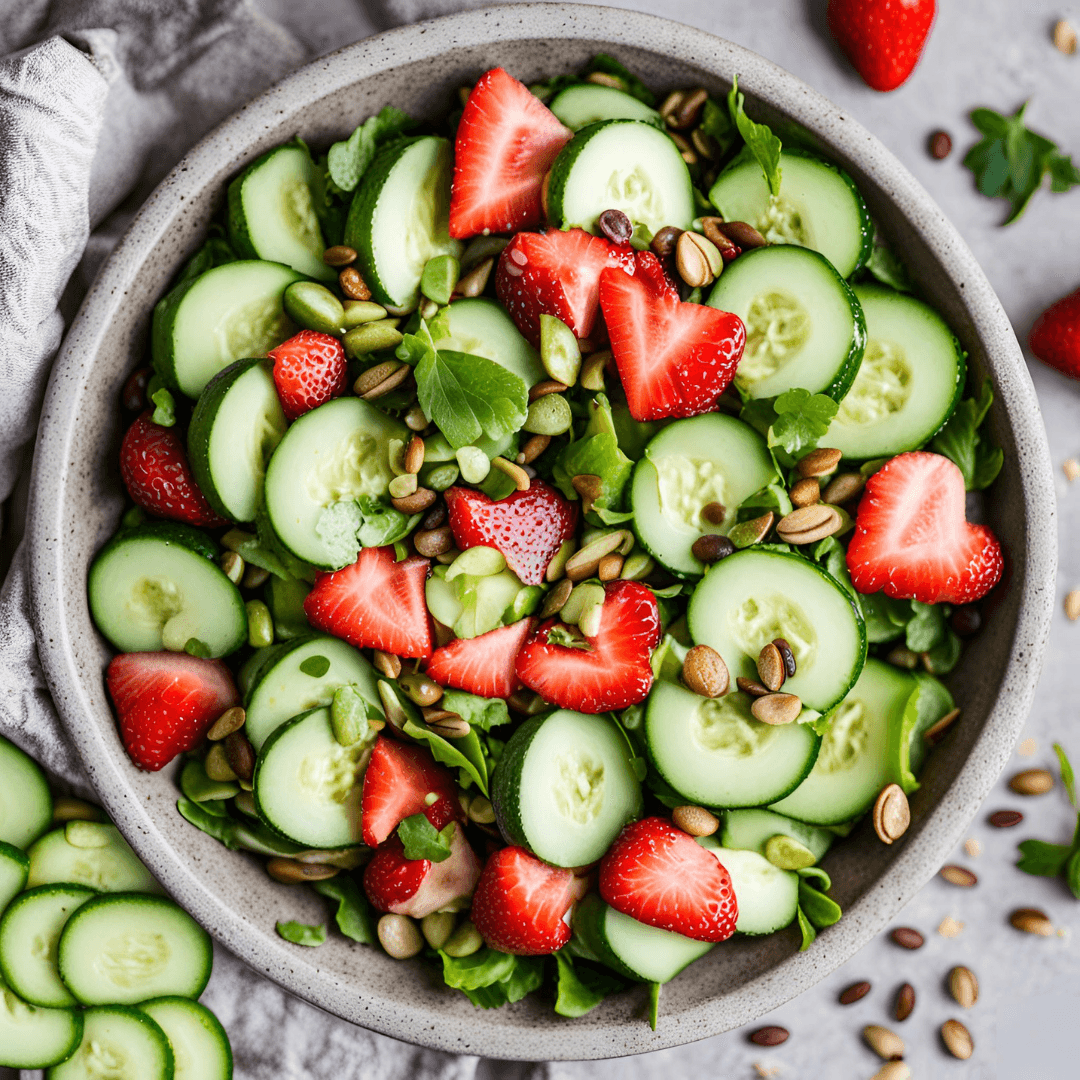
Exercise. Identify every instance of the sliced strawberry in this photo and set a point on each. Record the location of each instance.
(155, 470)
(528, 527)
(376, 603)
(481, 665)
(556, 273)
(674, 359)
(166, 702)
(309, 371)
(521, 904)
(612, 670)
(507, 140)
(912, 538)
(659, 875)
(1055, 337)
(398, 780)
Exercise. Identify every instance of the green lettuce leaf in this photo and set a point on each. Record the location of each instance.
(964, 441)
(1042, 859)
(886, 619)
(490, 978)
(597, 453)
(421, 840)
(467, 753)
(807, 930)
(760, 140)
(302, 934)
(580, 989)
(481, 712)
(353, 915)
(348, 161)
(926, 629)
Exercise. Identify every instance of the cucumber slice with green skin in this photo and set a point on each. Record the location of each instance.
(200, 1047)
(480, 326)
(714, 753)
(108, 866)
(150, 591)
(29, 931)
(631, 948)
(565, 786)
(335, 453)
(237, 423)
(124, 948)
(707, 459)
(854, 763)
(125, 1042)
(767, 896)
(231, 312)
(804, 325)
(272, 215)
(622, 165)
(14, 870)
(306, 783)
(754, 596)
(751, 830)
(400, 218)
(910, 380)
(280, 690)
(26, 804)
(35, 1038)
(818, 207)
(579, 106)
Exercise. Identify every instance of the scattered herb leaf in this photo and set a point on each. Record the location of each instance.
(1068, 779)
(315, 666)
(302, 934)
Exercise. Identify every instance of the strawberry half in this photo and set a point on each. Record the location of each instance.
(1055, 337)
(376, 603)
(912, 539)
(398, 780)
(613, 670)
(481, 665)
(659, 875)
(674, 359)
(556, 273)
(507, 139)
(166, 702)
(528, 527)
(309, 371)
(882, 38)
(521, 904)
(156, 473)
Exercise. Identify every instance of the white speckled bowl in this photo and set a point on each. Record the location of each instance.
(77, 501)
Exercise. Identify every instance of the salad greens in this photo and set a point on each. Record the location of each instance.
(1042, 859)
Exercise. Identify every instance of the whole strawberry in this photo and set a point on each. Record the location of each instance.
(882, 38)
(1055, 337)
(309, 371)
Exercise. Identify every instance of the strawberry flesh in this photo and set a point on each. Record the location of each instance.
(309, 371)
(481, 665)
(883, 39)
(1055, 337)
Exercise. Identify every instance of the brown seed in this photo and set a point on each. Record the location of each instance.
(353, 285)
(420, 690)
(240, 755)
(670, 105)
(588, 486)
(586, 561)
(414, 454)
(892, 814)
(711, 548)
(695, 820)
(432, 542)
(686, 115)
(958, 875)
(770, 1036)
(842, 488)
(705, 144)
(1072, 605)
(534, 446)
(387, 663)
(806, 492)
(903, 657)
(1064, 37)
(339, 255)
(663, 244)
(475, 281)
(748, 686)
(291, 872)
(381, 379)
(964, 987)
(742, 234)
(957, 1039)
(692, 260)
(770, 667)
(905, 1002)
(940, 145)
(436, 714)
(610, 567)
(1032, 782)
(786, 655)
(907, 938)
(616, 226)
(602, 78)
(515, 472)
(855, 992)
(728, 249)
(885, 1043)
(525, 701)
(545, 387)
(554, 601)
(819, 462)
(1005, 819)
(776, 708)
(416, 503)
(714, 513)
(1032, 921)
(254, 576)
(399, 936)
(229, 721)
(748, 533)
(809, 524)
(705, 672)
(935, 734)
(454, 728)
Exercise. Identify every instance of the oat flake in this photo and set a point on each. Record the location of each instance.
(973, 847)
(950, 927)
(1027, 748)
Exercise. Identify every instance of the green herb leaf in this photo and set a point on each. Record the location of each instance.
(1042, 859)
(816, 873)
(467, 753)
(1068, 779)
(421, 840)
(164, 414)
(315, 666)
(348, 161)
(774, 497)
(381, 524)
(759, 138)
(820, 909)
(631, 83)
(716, 122)
(580, 989)
(887, 267)
(801, 419)
(490, 978)
(807, 930)
(831, 554)
(1072, 873)
(941, 659)
(963, 441)
(654, 1004)
(481, 712)
(597, 453)
(926, 628)
(302, 934)
(353, 915)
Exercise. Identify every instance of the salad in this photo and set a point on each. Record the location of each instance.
(548, 532)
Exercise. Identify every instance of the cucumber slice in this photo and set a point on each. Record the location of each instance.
(565, 786)
(622, 165)
(911, 377)
(818, 207)
(335, 453)
(280, 690)
(237, 423)
(307, 784)
(708, 459)
(101, 860)
(481, 326)
(579, 106)
(854, 763)
(400, 217)
(125, 1042)
(127, 947)
(25, 801)
(712, 751)
(767, 896)
(272, 214)
(200, 1047)
(35, 1038)
(633, 948)
(751, 830)
(29, 932)
(14, 869)
(230, 312)
(149, 590)
(804, 326)
(754, 596)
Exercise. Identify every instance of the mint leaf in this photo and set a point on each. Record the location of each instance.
(806, 928)
(480, 712)
(348, 161)
(759, 138)
(315, 666)
(353, 915)
(926, 629)
(963, 441)
(490, 978)
(801, 419)
(421, 840)
(164, 414)
(302, 934)
(1042, 859)
(1068, 779)
(578, 990)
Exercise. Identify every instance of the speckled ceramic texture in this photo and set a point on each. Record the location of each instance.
(77, 502)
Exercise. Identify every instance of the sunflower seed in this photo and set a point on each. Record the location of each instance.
(1032, 782)
(695, 820)
(964, 987)
(705, 672)
(957, 1039)
(776, 708)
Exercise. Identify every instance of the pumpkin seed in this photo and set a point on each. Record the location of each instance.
(473, 463)
(339, 255)
(695, 820)
(292, 872)
(549, 415)
(705, 672)
(809, 524)
(892, 814)
(787, 853)
(957, 1039)
(437, 927)
(806, 492)
(229, 721)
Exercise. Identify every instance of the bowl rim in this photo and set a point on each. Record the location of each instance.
(47, 527)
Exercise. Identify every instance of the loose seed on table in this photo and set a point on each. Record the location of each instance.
(1032, 921)
(399, 936)
(786, 655)
(1005, 819)
(743, 234)
(254, 576)
(819, 462)
(610, 567)
(437, 927)
(843, 487)
(959, 875)
(711, 548)
(216, 764)
(957, 1039)
(748, 533)
(229, 721)
(1072, 605)
(855, 992)
(240, 754)
(940, 145)
(616, 226)
(1028, 747)
(432, 542)
(905, 1002)
(414, 454)
(1071, 468)
(809, 524)
(233, 566)
(963, 986)
(695, 820)
(534, 446)
(885, 1043)
(776, 708)
(806, 492)
(554, 601)
(773, 1035)
(893, 1070)
(714, 513)
(291, 872)
(420, 689)
(935, 734)
(1064, 37)
(892, 814)
(416, 503)
(950, 927)
(339, 255)
(1032, 782)
(705, 672)
(907, 937)
(353, 285)
(748, 686)
(387, 663)
(770, 667)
